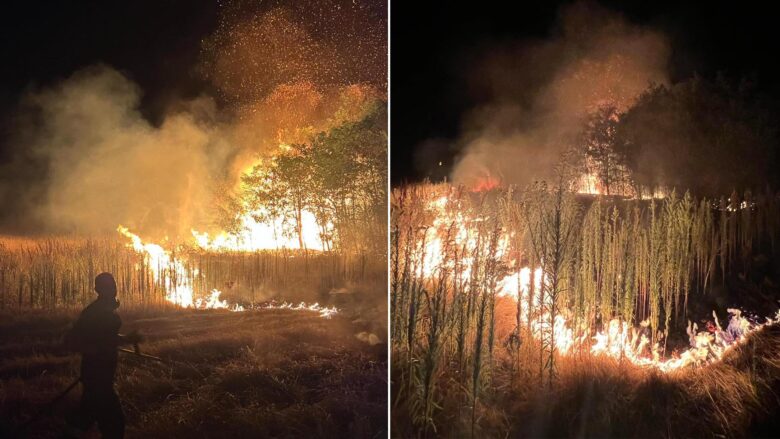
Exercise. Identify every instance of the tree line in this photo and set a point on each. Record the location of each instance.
(340, 176)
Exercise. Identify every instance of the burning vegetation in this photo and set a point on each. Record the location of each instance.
(268, 185)
(528, 285)
(297, 232)
(261, 195)
(582, 269)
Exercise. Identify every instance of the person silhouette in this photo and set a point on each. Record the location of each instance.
(95, 335)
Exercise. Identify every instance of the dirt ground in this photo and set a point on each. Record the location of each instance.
(264, 373)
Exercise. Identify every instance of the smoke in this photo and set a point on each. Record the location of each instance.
(539, 91)
(85, 159)
(106, 164)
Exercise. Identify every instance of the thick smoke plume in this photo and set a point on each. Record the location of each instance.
(106, 164)
(85, 159)
(540, 91)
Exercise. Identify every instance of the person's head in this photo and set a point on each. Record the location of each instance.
(105, 286)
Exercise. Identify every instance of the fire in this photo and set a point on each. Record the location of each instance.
(179, 290)
(618, 339)
(588, 184)
(213, 302)
(622, 341)
(256, 235)
(271, 233)
(324, 311)
(486, 183)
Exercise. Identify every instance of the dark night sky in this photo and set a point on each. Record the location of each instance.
(156, 43)
(208, 73)
(429, 44)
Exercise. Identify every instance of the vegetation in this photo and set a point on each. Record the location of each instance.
(340, 176)
(222, 376)
(697, 135)
(460, 347)
(59, 272)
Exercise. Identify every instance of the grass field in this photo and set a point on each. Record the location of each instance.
(265, 373)
(599, 397)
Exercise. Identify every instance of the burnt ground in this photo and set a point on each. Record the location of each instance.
(264, 373)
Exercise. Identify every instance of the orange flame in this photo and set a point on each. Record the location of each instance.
(179, 285)
(619, 340)
(485, 184)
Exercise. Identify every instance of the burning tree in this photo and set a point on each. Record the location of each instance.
(598, 155)
(338, 177)
(282, 189)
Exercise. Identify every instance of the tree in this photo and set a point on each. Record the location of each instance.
(350, 172)
(709, 136)
(339, 176)
(597, 154)
(280, 189)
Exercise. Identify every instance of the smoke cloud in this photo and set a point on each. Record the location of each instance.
(539, 91)
(85, 159)
(106, 164)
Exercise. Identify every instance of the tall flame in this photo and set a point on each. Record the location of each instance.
(588, 184)
(178, 290)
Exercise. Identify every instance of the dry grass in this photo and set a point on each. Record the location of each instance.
(254, 374)
(58, 272)
(599, 397)
(466, 363)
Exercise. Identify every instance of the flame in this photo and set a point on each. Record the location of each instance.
(622, 341)
(588, 184)
(619, 339)
(485, 184)
(179, 289)
(160, 261)
(256, 235)
(324, 311)
(271, 234)
(213, 302)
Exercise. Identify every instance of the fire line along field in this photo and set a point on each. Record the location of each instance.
(265, 369)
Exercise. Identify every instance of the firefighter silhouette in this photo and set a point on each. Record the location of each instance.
(95, 335)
